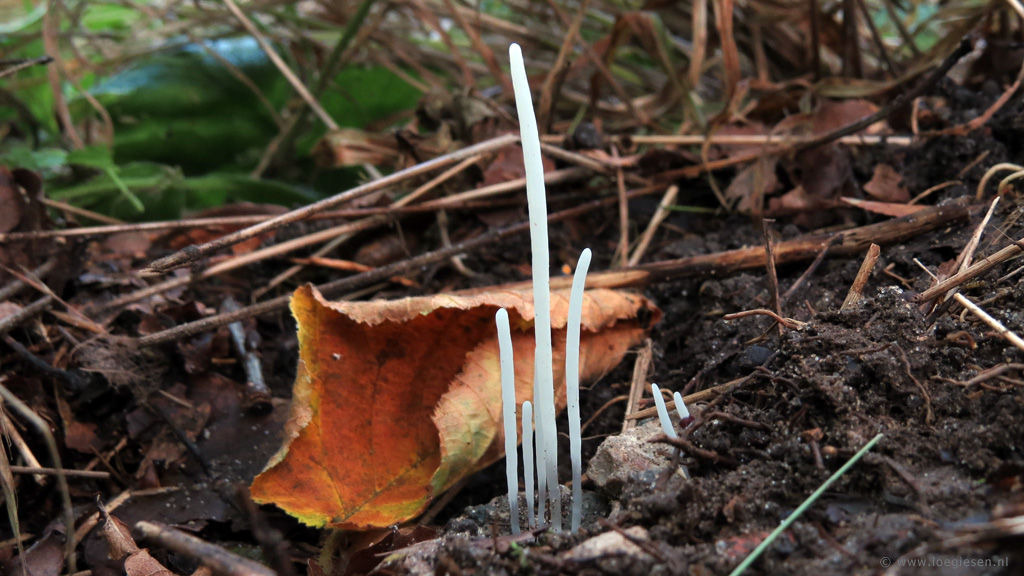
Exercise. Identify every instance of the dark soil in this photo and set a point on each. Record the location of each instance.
(949, 463)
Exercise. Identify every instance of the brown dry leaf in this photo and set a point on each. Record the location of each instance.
(886, 208)
(887, 185)
(395, 401)
(137, 561)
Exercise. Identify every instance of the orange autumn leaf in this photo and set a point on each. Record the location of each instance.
(395, 401)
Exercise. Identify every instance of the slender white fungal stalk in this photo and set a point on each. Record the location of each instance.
(572, 384)
(531, 520)
(508, 416)
(681, 408)
(543, 377)
(666, 424)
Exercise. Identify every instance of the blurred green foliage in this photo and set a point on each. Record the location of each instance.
(187, 130)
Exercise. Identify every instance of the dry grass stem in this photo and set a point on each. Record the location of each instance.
(856, 292)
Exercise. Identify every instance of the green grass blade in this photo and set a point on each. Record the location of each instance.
(803, 508)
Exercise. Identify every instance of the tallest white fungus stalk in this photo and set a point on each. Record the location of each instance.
(543, 377)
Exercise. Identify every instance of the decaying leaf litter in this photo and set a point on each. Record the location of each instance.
(163, 414)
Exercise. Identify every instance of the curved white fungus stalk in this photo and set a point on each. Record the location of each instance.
(543, 377)
(508, 415)
(572, 383)
(531, 520)
(681, 408)
(666, 424)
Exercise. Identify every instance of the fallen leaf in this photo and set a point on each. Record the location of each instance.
(886, 208)
(887, 185)
(121, 545)
(395, 401)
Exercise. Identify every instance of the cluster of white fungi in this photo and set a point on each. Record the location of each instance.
(538, 417)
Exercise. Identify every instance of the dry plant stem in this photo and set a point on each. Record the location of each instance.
(773, 277)
(979, 121)
(257, 395)
(764, 139)
(856, 126)
(659, 216)
(16, 285)
(53, 472)
(214, 557)
(62, 482)
(967, 255)
(42, 60)
(455, 200)
(68, 208)
(810, 269)
(857, 289)
(333, 244)
(852, 242)
(332, 289)
(996, 325)
(557, 72)
(786, 322)
(924, 391)
(51, 44)
(14, 437)
(14, 320)
(282, 67)
(245, 259)
(195, 223)
(977, 269)
(193, 253)
(622, 252)
(641, 368)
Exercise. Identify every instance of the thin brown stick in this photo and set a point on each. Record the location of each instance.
(62, 482)
(192, 253)
(482, 49)
(977, 269)
(14, 437)
(863, 274)
(996, 325)
(77, 211)
(13, 320)
(214, 557)
(558, 70)
(762, 139)
(16, 285)
(884, 112)
(924, 391)
(641, 368)
(282, 66)
(622, 252)
(331, 289)
(786, 322)
(854, 241)
(966, 257)
(659, 216)
(53, 472)
(773, 278)
(810, 269)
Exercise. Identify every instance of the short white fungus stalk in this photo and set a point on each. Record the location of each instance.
(531, 521)
(666, 424)
(508, 415)
(681, 408)
(572, 383)
(543, 377)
